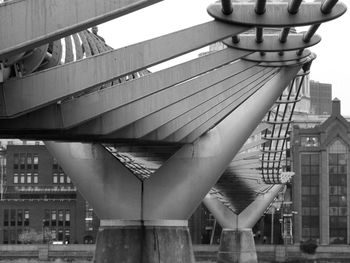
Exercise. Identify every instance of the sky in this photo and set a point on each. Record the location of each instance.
(173, 15)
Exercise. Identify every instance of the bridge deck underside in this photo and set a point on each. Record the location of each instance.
(236, 188)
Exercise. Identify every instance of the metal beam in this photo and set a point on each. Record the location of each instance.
(225, 109)
(169, 119)
(214, 115)
(80, 109)
(247, 155)
(129, 113)
(91, 105)
(251, 145)
(242, 170)
(262, 126)
(238, 163)
(34, 91)
(26, 24)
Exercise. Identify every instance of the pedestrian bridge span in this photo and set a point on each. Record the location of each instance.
(146, 148)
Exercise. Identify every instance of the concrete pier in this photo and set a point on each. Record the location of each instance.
(143, 242)
(237, 246)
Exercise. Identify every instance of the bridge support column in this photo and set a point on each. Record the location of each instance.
(237, 242)
(237, 246)
(116, 195)
(165, 241)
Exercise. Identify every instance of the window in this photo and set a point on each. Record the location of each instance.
(337, 147)
(19, 232)
(22, 161)
(19, 217)
(46, 231)
(62, 178)
(23, 179)
(26, 217)
(29, 161)
(6, 217)
(15, 178)
(35, 161)
(15, 161)
(55, 164)
(67, 236)
(60, 217)
(55, 178)
(67, 219)
(53, 218)
(88, 225)
(88, 217)
(35, 178)
(46, 220)
(29, 178)
(60, 235)
(13, 217)
(12, 236)
(6, 236)
(69, 180)
(53, 233)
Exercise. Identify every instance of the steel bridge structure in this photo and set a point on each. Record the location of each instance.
(145, 148)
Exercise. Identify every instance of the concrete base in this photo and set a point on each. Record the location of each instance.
(144, 244)
(237, 246)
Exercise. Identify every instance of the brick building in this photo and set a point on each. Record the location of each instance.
(36, 195)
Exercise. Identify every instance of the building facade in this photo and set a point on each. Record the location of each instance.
(321, 98)
(39, 202)
(321, 162)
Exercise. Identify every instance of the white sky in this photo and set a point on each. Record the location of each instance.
(172, 15)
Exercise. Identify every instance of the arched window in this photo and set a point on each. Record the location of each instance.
(337, 147)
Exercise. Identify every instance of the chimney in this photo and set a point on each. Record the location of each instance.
(336, 106)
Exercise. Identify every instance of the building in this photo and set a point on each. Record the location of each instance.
(322, 178)
(321, 98)
(39, 202)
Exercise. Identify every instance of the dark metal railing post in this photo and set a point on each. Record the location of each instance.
(293, 9)
(226, 7)
(235, 39)
(284, 34)
(259, 34)
(293, 6)
(312, 30)
(260, 7)
(328, 5)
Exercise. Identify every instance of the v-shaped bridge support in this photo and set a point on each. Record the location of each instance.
(136, 214)
(237, 242)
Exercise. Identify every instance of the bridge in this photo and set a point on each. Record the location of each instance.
(144, 148)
